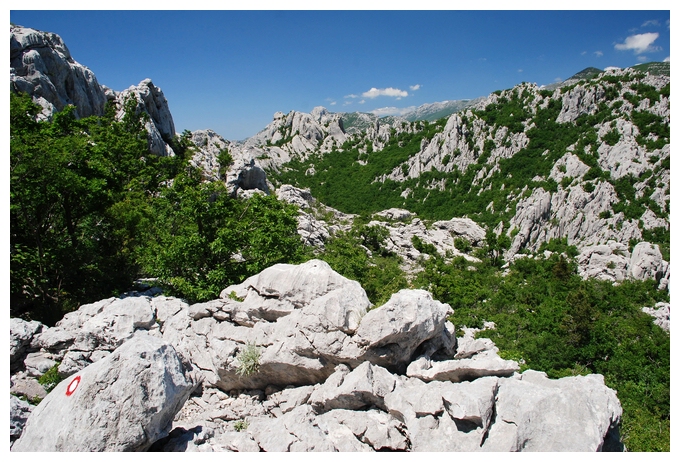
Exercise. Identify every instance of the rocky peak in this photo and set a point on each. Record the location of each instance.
(41, 65)
(151, 100)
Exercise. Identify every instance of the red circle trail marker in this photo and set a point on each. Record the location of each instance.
(72, 386)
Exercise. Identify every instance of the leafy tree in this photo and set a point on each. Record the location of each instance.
(201, 240)
(69, 180)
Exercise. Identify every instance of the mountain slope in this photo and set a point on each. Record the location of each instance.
(588, 162)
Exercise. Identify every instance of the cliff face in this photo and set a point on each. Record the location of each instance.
(42, 66)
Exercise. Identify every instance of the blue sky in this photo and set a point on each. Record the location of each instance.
(232, 70)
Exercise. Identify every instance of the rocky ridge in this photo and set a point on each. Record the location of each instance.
(293, 359)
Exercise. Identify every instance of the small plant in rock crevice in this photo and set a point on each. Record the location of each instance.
(51, 378)
(249, 360)
(240, 425)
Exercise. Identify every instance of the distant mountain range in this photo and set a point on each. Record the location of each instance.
(358, 121)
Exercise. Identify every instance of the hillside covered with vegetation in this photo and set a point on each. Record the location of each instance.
(92, 211)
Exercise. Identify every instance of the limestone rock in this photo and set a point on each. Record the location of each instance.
(646, 262)
(18, 414)
(151, 100)
(122, 403)
(534, 413)
(21, 334)
(661, 313)
(41, 65)
(365, 386)
(392, 333)
(466, 369)
(607, 262)
(22, 384)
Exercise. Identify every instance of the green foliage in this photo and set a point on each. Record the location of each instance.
(77, 195)
(249, 360)
(495, 246)
(202, 240)
(632, 206)
(660, 236)
(51, 378)
(91, 210)
(422, 246)
(559, 245)
(462, 244)
(240, 425)
(233, 296)
(509, 113)
(612, 137)
(380, 274)
(373, 238)
(225, 160)
(654, 132)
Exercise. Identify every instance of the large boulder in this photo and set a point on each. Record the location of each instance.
(646, 262)
(534, 413)
(124, 402)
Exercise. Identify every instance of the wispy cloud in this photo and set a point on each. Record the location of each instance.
(598, 54)
(583, 53)
(385, 111)
(350, 96)
(333, 103)
(667, 60)
(393, 92)
(651, 22)
(520, 70)
(639, 43)
(362, 101)
(415, 87)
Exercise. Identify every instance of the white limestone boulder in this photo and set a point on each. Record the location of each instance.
(123, 403)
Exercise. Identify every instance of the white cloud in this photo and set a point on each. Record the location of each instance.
(415, 87)
(375, 92)
(362, 101)
(350, 96)
(346, 103)
(333, 103)
(385, 111)
(667, 60)
(583, 53)
(651, 22)
(642, 59)
(557, 79)
(598, 54)
(639, 43)
(611, 68)
(520, 70)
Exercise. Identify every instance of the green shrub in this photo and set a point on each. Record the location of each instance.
(462, 244)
